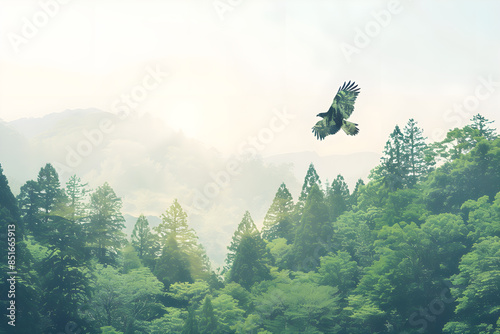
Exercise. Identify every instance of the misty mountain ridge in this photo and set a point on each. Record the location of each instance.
(149, 164)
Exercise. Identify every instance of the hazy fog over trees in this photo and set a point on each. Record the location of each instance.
(413, 249)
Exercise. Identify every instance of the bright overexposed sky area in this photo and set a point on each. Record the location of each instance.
(232, 64)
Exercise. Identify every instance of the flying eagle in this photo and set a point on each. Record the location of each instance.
(340, 110)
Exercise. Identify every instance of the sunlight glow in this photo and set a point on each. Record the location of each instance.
(185, 116)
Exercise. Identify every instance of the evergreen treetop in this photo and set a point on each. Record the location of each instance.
(246, 226)
(278, 219)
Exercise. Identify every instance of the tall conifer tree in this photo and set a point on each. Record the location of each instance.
(173, 264)
(355, 194)
(174, 223)
(338, 198)
(414, 149)
(246, 226)
(144, 241)
(314, 232)
(76, 192)
(482, 126)
(27, 317)
(394, 161)
(310, 180)
(105, 225)
(250, 261)
(278, 220)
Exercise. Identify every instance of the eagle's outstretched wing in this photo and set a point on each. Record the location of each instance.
(343, 102)
(324, 128)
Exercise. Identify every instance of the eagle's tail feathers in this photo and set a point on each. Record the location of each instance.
(350, 128)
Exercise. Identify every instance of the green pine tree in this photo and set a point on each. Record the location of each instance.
(356, 192)
(29, 205)
(38, 198)
(27, 318)
(50, 190)
(338, 198)
(174, 223)
(394, 163)
(144, 241)
(173, 264)
(76, 192)
(105, 225)
(278, 220)
(250, 261)
(310, 180)
(246, 226)
(314, 232)
(65, 275)
(7, 199)
(414, 149)
(482, 126)
(208, 321)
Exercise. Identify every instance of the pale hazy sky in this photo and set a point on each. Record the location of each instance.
(233, 63)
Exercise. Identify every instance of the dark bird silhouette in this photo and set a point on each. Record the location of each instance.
(340, 110)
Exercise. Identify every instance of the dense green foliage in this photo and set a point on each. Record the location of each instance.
(414, 250)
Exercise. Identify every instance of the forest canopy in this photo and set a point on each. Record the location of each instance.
(413, 249)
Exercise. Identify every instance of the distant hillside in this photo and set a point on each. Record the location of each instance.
(149, 165)
(33, 127)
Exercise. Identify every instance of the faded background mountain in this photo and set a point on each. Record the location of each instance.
(149, 164)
